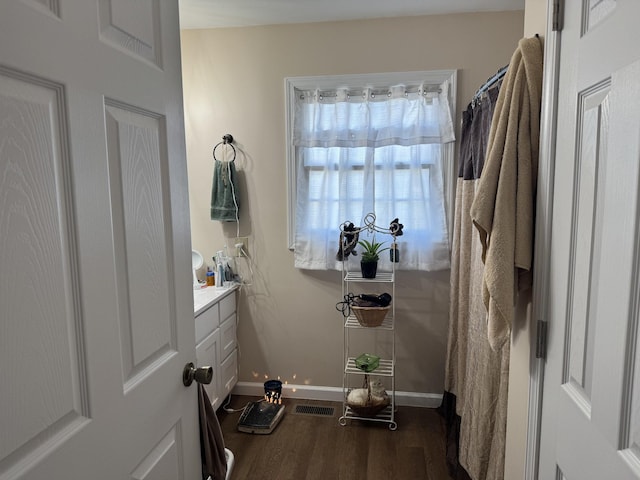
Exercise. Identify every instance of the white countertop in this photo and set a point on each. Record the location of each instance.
(204, 297)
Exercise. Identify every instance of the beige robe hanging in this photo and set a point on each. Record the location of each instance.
(503, 208)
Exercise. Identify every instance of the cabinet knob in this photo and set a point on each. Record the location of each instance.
(201, 374)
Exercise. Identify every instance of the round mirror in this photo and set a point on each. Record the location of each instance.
(196, 260)
(196, 263)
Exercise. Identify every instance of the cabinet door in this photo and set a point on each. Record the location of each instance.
(207, 354)
(207, 322)
(228, 339)
(227, 306)
(229, 373)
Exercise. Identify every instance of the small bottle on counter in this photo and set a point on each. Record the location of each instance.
(210, 278)
(219, 276)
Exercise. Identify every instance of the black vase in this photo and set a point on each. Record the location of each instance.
(369, 269)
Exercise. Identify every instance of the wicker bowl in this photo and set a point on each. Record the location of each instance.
(370, 316)
(370, 410)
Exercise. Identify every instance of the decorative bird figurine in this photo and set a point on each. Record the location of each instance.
(396, 227)
(348, 241)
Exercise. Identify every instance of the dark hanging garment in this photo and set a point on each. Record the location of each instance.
(214, 458)
(498, 167)
(475, 374)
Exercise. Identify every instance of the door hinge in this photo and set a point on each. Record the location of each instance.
(541, 339)
(558, 15)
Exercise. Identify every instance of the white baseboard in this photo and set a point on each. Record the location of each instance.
(335, 394)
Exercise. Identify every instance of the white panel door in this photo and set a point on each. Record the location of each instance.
(591, 399)
(96, 307)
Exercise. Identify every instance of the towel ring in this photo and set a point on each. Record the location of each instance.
(226, 140)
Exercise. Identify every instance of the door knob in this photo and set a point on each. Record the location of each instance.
(201, 374)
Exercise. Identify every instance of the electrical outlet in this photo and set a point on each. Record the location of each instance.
(244, 241)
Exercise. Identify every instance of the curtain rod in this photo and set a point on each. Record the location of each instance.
(329, 93)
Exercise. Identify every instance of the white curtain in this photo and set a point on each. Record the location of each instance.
(372, 150)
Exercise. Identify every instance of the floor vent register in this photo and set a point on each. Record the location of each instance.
(315, 410)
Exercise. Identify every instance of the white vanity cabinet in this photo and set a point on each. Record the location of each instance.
(216, 340)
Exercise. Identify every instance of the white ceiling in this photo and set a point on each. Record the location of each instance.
(242, 13)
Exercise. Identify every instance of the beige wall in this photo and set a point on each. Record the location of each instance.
(234, 83)
(535, 17)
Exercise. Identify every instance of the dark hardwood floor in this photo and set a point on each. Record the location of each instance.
(306, 447)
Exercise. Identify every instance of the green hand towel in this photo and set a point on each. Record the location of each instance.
(225, 201)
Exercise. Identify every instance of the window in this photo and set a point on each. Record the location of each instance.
(370, 143)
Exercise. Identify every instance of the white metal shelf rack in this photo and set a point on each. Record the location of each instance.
(387, 366)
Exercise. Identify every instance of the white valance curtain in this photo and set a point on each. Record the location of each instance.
(371, 150)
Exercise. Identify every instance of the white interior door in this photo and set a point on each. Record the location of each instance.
(591, 399)
(96, 319)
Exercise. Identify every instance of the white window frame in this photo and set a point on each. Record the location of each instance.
(375, 80)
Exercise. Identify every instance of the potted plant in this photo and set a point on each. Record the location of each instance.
(370, 257)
